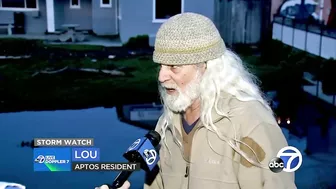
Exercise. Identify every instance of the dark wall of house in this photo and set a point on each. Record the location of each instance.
(104, 19)
(35, 21)
(136, 16)
(66, 15)
(59, 15)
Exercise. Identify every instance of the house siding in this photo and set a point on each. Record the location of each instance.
(242, 22)
(66, 15)
(104, 19)
(35, 21)
(136, 17)
(128, 18)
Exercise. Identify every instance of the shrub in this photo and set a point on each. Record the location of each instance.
(17, 46)
(313, 65)
(243, 49)
(275, 52)
(328, 77)
(140, 41)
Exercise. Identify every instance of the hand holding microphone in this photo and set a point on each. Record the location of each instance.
(126, 185)
(141, 151)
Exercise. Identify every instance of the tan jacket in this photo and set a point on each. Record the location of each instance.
(214, 164)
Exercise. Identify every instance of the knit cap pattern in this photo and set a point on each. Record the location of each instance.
(187, 38)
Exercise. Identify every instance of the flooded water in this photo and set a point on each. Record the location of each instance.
(110, 135)
(113, 138)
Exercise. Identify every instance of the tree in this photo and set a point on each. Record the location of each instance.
(328, 78)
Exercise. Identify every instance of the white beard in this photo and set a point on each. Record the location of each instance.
(179, 103)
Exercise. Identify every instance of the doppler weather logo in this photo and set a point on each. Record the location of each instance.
(52, 159)
(39, 159)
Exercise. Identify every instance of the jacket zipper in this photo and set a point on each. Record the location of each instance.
(187, 164)
(187, 173)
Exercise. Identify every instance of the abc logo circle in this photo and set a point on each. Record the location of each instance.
(292, 158)
(276, 165)
(288, 159)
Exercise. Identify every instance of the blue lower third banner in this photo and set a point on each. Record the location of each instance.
(52, 159)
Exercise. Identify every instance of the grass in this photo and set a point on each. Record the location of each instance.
(20, 90)
(20, 46)
(75, 47)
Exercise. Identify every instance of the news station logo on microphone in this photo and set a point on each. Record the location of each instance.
(142, 151)
(145, 148)
(151, 156)
(52, 159)
(289, 159)
(135, 144)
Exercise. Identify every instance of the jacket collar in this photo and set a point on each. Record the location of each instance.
(223, 102)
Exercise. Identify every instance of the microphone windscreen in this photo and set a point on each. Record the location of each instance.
(154, 137)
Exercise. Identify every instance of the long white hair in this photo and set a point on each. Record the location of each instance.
(225, 74)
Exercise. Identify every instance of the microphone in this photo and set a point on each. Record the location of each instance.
(141, 151)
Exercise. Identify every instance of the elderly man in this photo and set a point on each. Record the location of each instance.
(217, 130)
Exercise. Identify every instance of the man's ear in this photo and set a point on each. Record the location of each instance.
(201, 67)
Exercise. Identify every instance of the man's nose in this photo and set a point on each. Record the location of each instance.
(163, 74)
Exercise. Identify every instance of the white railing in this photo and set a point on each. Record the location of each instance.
(312, 38)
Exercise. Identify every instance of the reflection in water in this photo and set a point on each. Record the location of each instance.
(142, 115)
(110, 135)
(28, 144)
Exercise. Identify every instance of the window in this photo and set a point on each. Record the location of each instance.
(163, 9)
(75, 4)
(105, 3)
(18, 4)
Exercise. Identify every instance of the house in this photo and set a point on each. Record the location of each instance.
(243, 21)
(308, 25)
(322, 10)
(124, 18)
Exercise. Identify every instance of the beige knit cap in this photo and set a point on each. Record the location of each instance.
(187, 38)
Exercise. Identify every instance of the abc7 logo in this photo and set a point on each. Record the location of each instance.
(150, 156)
(289, 159)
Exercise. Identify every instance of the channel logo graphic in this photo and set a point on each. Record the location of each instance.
(289, 159)
(52, 159)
